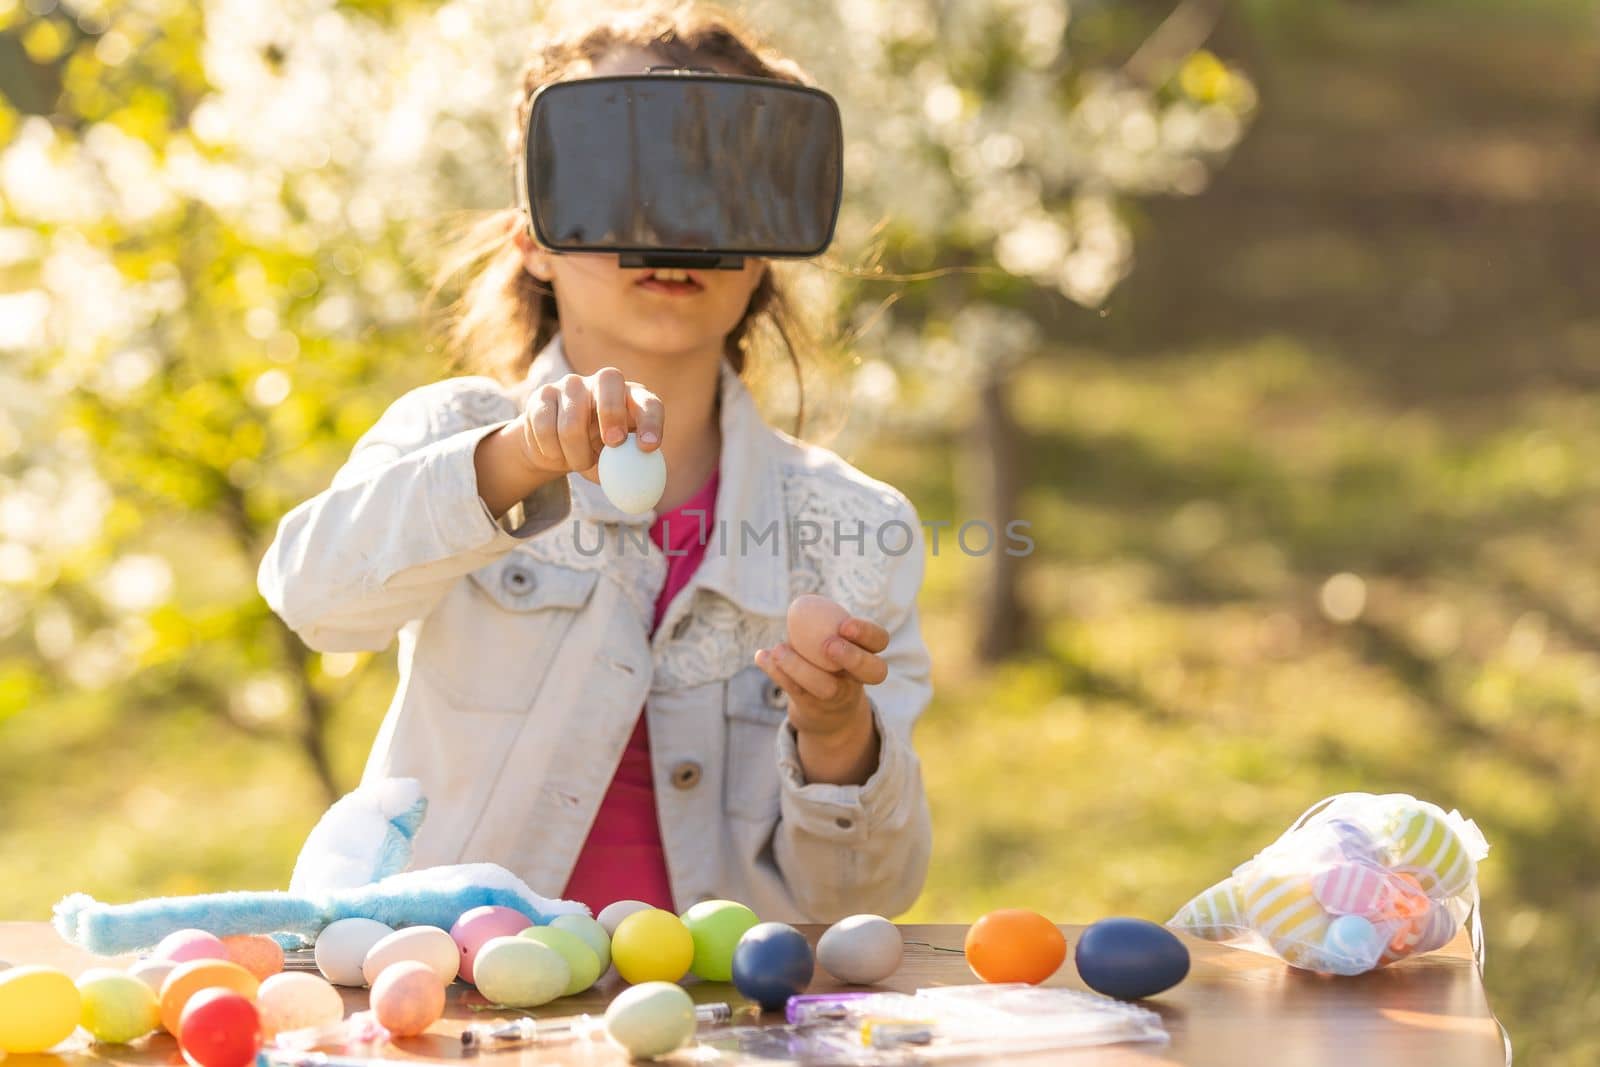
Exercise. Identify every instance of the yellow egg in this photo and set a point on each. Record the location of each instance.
(1215, 915)
(1423, 843)
(39, 1008)
(652, 946)
(1282, 908)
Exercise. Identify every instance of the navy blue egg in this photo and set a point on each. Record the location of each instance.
(1130, 958)
(772, 963)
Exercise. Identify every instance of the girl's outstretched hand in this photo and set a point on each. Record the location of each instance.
(828, 706)
(568, 421)
(563, 428)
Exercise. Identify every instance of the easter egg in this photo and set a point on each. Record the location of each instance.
(594, 935)
(650, 1019)
(1415, 935)
(611, 915)
(861, 950)
(812, 620)
(408, 997)
(1014, 945)
(772, 963)
(1358, 888)
(1214, 915)
(116, 1006)
(188, 979)
(632, 479)
(716, 927)
(153, 972)
(181, 946)
(582, 963)
(1130, 958)
(518, 972)
(1353, 945)
(219, 1028)
(424, 944)
(39, 1008)
(478, 926)
(1283, 909)
(297, 1000)
(1422, 842)
(342, 948)
(652, 946)
(256, 953)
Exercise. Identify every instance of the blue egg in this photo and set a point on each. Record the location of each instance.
(1353, 945)
(1130, 958)
(772, 963)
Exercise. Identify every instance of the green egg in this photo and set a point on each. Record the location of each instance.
(520, 972)
(594, 935)
(117, 1007)
(583, 965)
(651, 1019)
(717, 926)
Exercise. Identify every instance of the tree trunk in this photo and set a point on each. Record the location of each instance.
(997, 465)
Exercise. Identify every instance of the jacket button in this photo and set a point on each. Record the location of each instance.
(686, 775)
(775, 696)
(517, 581)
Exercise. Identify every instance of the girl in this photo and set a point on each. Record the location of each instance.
(627, 723)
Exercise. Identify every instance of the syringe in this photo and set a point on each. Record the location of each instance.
(529, 1031)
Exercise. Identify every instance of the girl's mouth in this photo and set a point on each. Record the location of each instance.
(670, 281)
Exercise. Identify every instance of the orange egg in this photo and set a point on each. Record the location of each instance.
(256, 953)
(1015, 945)
(187, 979)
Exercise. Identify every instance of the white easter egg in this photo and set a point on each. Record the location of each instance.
(297, 1000)
(861, 950)
(612, 914)
(631, 479)
(425, 944)
(152, 972)
(342, 948)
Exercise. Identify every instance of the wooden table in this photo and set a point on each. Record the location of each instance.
(1235, 1007)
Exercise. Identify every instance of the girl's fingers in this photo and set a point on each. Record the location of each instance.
(866, 633)
(649, 417)
(611, 404)
(862, 665)
(771, 669)
(542, 416)
(819, 683)
(573, 425)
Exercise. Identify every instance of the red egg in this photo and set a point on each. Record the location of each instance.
(219, 1028)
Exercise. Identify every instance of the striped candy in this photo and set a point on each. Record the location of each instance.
(1423, 843)
(1215, 915)
(1427, 932)
(1363, 889)
(1282, 909)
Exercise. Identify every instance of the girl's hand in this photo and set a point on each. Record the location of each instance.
(828, 706)
(568, 421)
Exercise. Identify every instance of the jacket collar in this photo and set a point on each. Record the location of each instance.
(747, 557)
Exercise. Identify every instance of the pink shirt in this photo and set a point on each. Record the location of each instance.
(622, 859)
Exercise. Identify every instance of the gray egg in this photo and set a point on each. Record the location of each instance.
(861, 950)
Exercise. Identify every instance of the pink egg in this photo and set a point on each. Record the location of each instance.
(478, 926)
(407, 998)
(256, 953)
(812, 620)
(181, 946)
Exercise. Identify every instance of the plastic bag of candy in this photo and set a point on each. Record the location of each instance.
(1357, 882)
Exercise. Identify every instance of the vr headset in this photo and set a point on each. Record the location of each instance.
(683, 168)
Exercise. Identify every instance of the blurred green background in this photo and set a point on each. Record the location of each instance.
(1283, 320)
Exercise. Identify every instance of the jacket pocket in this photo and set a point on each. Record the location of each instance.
(755, 709)
(488, 645)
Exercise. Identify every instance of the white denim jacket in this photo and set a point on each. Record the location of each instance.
(525, 653)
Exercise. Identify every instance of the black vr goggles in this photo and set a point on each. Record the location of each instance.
(683, 168)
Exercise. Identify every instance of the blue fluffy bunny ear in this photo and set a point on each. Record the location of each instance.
(364, 837)
(112, 929)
